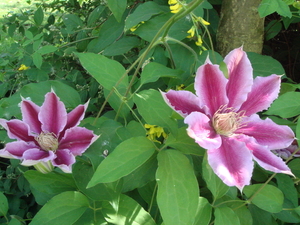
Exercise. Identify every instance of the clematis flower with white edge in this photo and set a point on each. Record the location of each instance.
(222, 118)
(47, 136)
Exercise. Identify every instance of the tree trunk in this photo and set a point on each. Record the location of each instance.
(240, 25)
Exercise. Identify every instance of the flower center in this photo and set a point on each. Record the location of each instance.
(226, 121)
(47, 141)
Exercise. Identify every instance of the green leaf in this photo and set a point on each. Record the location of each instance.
(127, 156)
(121, 46)
(286, 185)
(184, 143)
(106, 71)
(49, 185)
(264, 65)
(286, 105)
(153, 71)
(213, 182)
(38, 16)
(64, 208)
(82, 174)
(154, 110)
(72, 22)
(117, 8)
(268, 7)
(203, 214)
(47, 49)
(143, 13)
(223, 214)
(294, 166)
(3, 204)
(269, 198)
(178, 191)
(95, 15)
(261, 217)
(110, 31)
(37, 59)
(129, 213)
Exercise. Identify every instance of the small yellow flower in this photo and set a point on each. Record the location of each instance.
(172, 2)
(204, 22)
(23, 67)
(154, 132)
(199, 41)
(175, 8)
(191, 32)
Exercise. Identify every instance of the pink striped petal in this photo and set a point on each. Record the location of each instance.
(64, 160)
(30, 113)
(183, 102)
(267, 133)
(232, 162)
(240, 77)
(53, 114)
(264, 91)
(17, 129)
(76, 115)
(17, 148)
(265, 158)
(77, 140)
(35, 155)
(200, 129)
(210, 86)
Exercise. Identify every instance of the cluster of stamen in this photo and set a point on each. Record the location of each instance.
(47, 141)
(226, 121)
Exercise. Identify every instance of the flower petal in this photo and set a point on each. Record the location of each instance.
(183, 102)
(265, 158)
(240, 77)
(201, 130)
(76, 115)
(53, 114)
(232, 162)
(17, 149)
(264, 91)
(35, 155)
(267, 133)
(77, 140)
(17, 129)
(210, 86)
(30, 113)
(64, 160)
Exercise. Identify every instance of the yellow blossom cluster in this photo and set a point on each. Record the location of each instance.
(23, 67)
(175, 6)
(154, 132)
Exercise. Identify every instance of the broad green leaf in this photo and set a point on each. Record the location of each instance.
(261, 217)
(153, 71)
(287, 186)
(110, 31)
(47, 49)
(213, 182)
(184, 143)
(203, 214)
(49, 184)
(286, 105)
(178, 191)
(15, 221)
(106, 71)
(294, 166)
(82, 174)
(37, 59)
(95, 15)
(272, 29)
(117, 8)
(289, 213)
(241, 211)
(121, 46)
(269, 198)
(154, 110)
(129, 213)
(268, 7)
(127, 156)
(3, 204)
(90, 216)
(264, 65)
(64, 208)
(72, 22)
(225, 215)
(143, 13)
(38, 16)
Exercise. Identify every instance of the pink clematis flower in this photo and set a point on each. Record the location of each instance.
(47, 136)
(222, 118)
